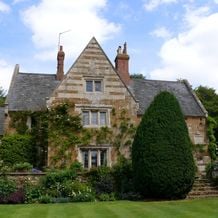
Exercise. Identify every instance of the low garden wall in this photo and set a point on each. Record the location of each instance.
(21, 177)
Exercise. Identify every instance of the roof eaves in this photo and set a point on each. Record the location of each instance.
(195, 97)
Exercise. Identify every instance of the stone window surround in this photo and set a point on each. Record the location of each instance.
(90, 114)
(98, 148)
(104, 108)
(93, 78)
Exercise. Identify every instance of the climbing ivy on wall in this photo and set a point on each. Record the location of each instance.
(211, 124)
(19, 121)
(62, 131)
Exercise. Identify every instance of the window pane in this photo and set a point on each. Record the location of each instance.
(94, 117)
(103, 119)
(89, 86)
(98, 86)
(94, 158)
(85, 159)
(85, 118)
(103, 158)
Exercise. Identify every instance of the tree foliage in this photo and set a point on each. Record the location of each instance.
(209, 98)
(137, 76)
(163, 164)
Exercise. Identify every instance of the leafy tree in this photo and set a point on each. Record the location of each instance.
(209, 98)
(2, 96)
(162, 159)
(137, 76)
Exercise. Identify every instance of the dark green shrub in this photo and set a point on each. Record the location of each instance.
(123, 176)
(81, 192)
(7, 187)
(4, 168)
(162, 159)
(16, 149)
(101, 180)
(209, 170)
(32, 192)
(107, 197)
(45, 199)
(211, 126)
(20, 167)
(83, 197)
(76, 166)
(56, 177)
(212, 150)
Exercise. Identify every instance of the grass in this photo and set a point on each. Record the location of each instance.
(207, 208)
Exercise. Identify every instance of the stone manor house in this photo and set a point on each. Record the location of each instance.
(97, 87)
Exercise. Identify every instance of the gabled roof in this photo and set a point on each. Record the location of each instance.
(145, 91)
(29, 91)
(2, 120)
(90, 44)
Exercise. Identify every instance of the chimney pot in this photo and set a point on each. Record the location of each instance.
(60, 64)
(122, 64)
(125, 48)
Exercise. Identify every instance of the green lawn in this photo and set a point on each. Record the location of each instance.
(189, 208)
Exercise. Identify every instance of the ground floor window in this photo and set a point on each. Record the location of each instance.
(94, 157)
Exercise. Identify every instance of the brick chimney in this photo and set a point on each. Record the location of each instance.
(122, 64)
(60, 64)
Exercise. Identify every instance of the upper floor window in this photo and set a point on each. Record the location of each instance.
(94, 118)
(93, 85)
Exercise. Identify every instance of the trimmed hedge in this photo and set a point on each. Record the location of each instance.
(163, 164)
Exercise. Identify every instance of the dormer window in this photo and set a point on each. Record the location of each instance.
(93, 85)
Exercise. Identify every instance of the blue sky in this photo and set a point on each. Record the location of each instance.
(167, 39)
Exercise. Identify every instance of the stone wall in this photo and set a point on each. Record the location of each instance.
(197, 129)
(22, 177)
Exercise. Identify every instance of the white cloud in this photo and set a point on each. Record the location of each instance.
(161, 32)
(6, 71)
(193, 16)
(216, 1)
(4, 7)
(150, 5)
(50, 17)
(192, 54)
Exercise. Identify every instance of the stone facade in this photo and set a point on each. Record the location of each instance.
(93, 66)
(100, 93)
(197, 129)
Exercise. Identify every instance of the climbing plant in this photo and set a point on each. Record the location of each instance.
(59, 129)
(211, 124)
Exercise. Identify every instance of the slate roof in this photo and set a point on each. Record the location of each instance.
(145, 91)
(2, 119)
(28, 91)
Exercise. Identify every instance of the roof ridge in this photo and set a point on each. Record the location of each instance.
(43, 74)
(172, 81)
